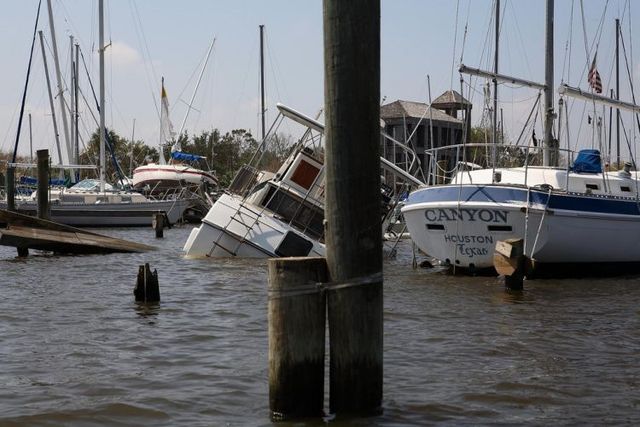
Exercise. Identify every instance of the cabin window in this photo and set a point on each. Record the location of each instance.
(592, 186)
(305, 216)
(305, 174)
(625, 189)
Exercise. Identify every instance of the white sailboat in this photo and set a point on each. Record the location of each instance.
(96, 203)
(179, 171)
(579, 215)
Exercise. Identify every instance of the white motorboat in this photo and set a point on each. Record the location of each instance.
(265, 214)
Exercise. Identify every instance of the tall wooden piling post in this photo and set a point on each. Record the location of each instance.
(297, 312)
(10, 186)
(353, 204)
(43, 184)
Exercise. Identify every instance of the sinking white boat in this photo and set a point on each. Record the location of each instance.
(265, 214)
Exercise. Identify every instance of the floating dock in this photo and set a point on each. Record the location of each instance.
(26, 232)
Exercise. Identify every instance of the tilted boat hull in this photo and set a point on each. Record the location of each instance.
(233, 227)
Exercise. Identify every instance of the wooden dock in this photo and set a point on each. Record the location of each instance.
(26, 232)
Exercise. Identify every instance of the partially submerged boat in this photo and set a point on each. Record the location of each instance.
(280, 213)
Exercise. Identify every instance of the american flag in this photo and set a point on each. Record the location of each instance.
(594, 76)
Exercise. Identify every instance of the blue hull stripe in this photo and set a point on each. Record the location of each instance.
(498, 194)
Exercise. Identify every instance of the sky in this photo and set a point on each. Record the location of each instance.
(421, 41)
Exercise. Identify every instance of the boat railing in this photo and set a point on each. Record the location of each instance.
(244, 180)
(447, 161)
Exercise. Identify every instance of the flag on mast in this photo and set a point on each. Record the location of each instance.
(594, 76)
(166, 128)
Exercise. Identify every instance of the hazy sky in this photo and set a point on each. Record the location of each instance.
(155, 38)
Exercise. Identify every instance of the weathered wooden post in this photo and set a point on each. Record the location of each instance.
(296, 337)
(147, 289)
(158, 224)
(43, 184)
(509, 260)
(353, 203)
(10, 185)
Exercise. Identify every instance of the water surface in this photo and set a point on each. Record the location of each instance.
(75, 349)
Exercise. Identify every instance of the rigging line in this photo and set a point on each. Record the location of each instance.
(466, 29)
(455, 42)
(626, 137)
(626, 60)
(146, 53)
(26, 83)
(566, 62)
(275, 66)
(520, 38)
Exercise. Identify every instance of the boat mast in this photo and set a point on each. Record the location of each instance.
(495, 87)
(51, 104)
(550, 157)
(101, 56)
(262, 109)
(76, 119)
(60, 94)
(618, 92)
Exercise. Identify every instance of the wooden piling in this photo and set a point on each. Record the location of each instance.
(43, 184)
(352, 204)
(158, 224)
(147, 289)
(510, 262)
(10, 185)
(296, 337)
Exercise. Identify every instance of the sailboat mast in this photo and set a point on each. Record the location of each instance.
(60, 94)
(101, 56)
(262, 109)
(618, 92)
(495, 86)
(56, 134)
(550, 157)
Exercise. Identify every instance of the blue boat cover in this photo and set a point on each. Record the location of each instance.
(588, 161)
(29, 180)
(179, 155)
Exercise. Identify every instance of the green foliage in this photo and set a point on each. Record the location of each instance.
(91, 155)
(224, 154)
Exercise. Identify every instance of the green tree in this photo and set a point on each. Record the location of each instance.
(122, 148)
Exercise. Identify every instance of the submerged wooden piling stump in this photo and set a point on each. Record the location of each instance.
(296, 337)
(23, 252)
(147, 289)
(509, 261)
(158, 224)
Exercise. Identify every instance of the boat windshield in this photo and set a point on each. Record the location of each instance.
(91, 185)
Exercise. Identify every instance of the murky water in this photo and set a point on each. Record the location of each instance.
(76, 350)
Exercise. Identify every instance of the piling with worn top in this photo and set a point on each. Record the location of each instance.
(147, 288)
(509, 261)
(296, 337)
(158, 224)
(43, 184)
(10, 185)
(352, 204)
